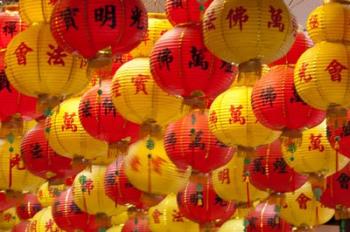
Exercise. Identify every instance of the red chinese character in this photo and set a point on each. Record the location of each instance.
(15, 162)
(135, 163)
(140, 83)
(7, 217)
(56, 56)
(156, 216)
(68, 122)
(209, 21)
(334, 69)
(313, 22)
(146, 38)
(89, 186)
(224, 176)
(116, 87)
(213, 119)
(237, 16)
(315, 143)
(32, 227)
(49, 226)
(302, 201)
(276, 19)
(21, 53)
(236, 115)
(157, 163)
(177, 216)
(302, 73)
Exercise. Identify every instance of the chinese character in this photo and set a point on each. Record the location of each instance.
(83, 63)
(280, 166)
(315, 143)
(268, 95)
(302, 73)
(196, 138)
(116, 87)
(171, 139)
(313, 22)
(21, 53)
(68, 122)
(252, 222)
(237, 16)
(302, 201)
(176, 3)
(236, 115)
(87, 185)
(74, 209)
(209, 21)
(220, 201)
(10, 28)
(224, 176)
(273, 222)
(136, 18)
(140, 83)
(177, 216)
(157, 163)
(296, 98)
(49, 226)
(156, 216)
(135, 163)
(106, 14)
(15, 162)
(56, 56)
(4, 82)
(346, 129)
(165, 57)
(226, 66)
(109, 107)
(276, 19)
(86, 109)
(7, 217)
(68, 17)
(36, 151)
(334, 69)
(258, 165)
(198, 60)
(344, 180)
(213, 119)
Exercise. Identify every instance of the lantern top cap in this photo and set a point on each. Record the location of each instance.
(10, 7)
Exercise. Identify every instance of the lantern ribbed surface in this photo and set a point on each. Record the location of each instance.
(43, 221)
(36, 11)
(47, 193)
(29, 206)
(8, 219)
(233, 225)
(11, 25)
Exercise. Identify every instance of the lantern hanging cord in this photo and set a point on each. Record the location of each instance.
(292, 6)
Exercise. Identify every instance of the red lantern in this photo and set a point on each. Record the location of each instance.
(277, 105)
(200, 203)
(87, 27)
(39, 157)
(137, 223)
(339, 136)
(182, 65)
(269, 171)
(186, 11)
(21, 227)
(6, 202)
(301, 44)
(189, 142)
(28, 207)
(265, 218)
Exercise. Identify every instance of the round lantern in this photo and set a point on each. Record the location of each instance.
(265, 218)
(149, 169)
(29, 206)
(301, 209)
(67, 136)
(231, 29)
(43, 221)
(182, 65)
(328, 22)
(7, 201)
(118, 24)
(338, 136)
(89, 192)
(36, 11)
(189, 142)
(47, 193)
(138, 223)
(232, 182)
(277, 105)
(38, 67)
(269, 172)
(233, 225)
(21, 227)
(158, 24)
(117, 228)
(166, 217)
(8, 219)
(13, 173)
(139, 99)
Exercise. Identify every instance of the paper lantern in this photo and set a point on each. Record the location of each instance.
(338, 136)
(7, 202)
(21, 227)
(301, 208)
(67, 136)
(89, 192)
(138, 223)
(158, 24)
(36, 11)
(8, 219)
(43, 221)
(120, 25)
(269, 172)
(166, 217)
(36, 66)
(29, 206)
(149, 169)
(182, 65)
(13, 173)
(233, 225)
(117, 228)
(231, 29)
(47, 193)
(139, 99)
(327, 22)
(200, 203)
(232, 182)
(189, 142)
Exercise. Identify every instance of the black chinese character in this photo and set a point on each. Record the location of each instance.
(346, 129)
(171, 138)
(9, 28)
(273, 222)
(252, 222)
(226, 66)
(268, 95)
(198, 60)
(36, 151)
(4, 83)
(110, 179)
(344, 180)
(86, 109)
(136, 18)
(109, 107)
(220, 201)
(220, 144)
(106, 14)
(176, 3)
(258, 165)
(296, 98)
(68, 16)
(165, 57)
(75, 209)
(196, 139)
(280, 166)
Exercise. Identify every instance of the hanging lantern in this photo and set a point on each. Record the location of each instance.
(8, 219)
(138, 98)
(233, 225)
(338, 136)
(302, 210)
(117, 228)
(138, 223)
(277, 105)
(43, 221)
(149, 169)
(232, 182)
(47, 193)
(7, 202)
(67, 136)
(120, 25)
(189, 142)
(182, 65)
(231, 29)
(21, 227)
(36, 11)
(166, 216)
(29, 207)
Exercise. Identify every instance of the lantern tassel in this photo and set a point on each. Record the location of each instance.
(278, 199)
(289, 137)
(318, 184)
(336, 116)
(304, 228)
(118, 148)
(46, 103)
(341, 213)
(150, 128)
(12, 126)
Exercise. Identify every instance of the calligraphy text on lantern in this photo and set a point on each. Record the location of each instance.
(68, 122)
(209, 21)
(302, 73)
(238, 17)
(236, 115)
(315, 143)
(21, 53)
(313, 22)
(106, 14)
(140, 83)
(334, 69)
(276, 19)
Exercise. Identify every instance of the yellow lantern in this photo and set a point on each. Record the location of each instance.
(43, 222)
(234, 225)
(149, 169)
(231, 182)
(89, 193)
(166, 217)
(158, 24)
(67, 136)
(117, 228)
(139, 99)
(328, 22)
(8, 219)
(301, 208)
(239, 31)
(120, 218)
(36, 11)
(13, 173)
(47, 193)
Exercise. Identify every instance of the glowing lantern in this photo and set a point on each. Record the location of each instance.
(339, 137)
(303, 210)
(231, 28)
(43, 221)
(21, 227)
(120, 25)
(166, 217)
(29, 206)
(189, 142)
(36, 11)
(139, 99)
(47, 193)
(8, 219)
(182, 65)
(138, 223)
(232, 182)
(149, 169)
(233, 225)
(67, 136)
